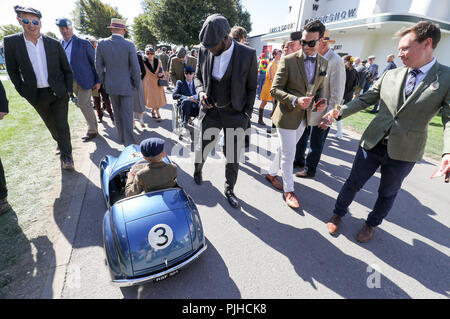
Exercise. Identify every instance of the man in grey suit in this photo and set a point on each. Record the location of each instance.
(333, 91)
(118, 69)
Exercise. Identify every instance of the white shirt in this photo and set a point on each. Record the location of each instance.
(38, 60)
(221, 63)
(425, 69)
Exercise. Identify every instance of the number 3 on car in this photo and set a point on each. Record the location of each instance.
(147, 237)
(160, 236)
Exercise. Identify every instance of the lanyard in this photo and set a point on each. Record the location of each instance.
(68, 43)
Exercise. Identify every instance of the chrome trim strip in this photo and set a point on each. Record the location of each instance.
(137, 281)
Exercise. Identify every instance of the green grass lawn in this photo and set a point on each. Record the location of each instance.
(359, 121)
(32, 171)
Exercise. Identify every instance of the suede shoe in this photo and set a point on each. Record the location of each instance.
(333, 224)
(304, 174)
(291, 200)
(89, 136)
(67, 163)
(274, 181)
(365, 234)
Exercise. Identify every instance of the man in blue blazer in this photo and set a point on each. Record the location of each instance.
(81, 56)
(185, 91)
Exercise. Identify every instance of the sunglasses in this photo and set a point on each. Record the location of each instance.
(150, 53)
(311, 43)
(26, 21)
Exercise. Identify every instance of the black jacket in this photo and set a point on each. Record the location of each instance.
(3, 99)
(244, 76)
(351, 81)
(21, 73)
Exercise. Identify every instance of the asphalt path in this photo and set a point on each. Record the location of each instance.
(264, 249)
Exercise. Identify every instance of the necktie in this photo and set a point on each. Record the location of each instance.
(411, 82)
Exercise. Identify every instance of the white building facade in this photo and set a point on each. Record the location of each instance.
(366, 27)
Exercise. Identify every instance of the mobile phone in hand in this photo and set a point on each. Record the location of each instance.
(318, 103)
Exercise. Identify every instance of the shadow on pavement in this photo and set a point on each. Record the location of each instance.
(207, 277)
(31, 264)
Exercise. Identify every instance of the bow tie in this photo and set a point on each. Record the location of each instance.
(310, 58)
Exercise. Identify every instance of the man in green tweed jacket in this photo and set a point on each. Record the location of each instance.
(395, 140)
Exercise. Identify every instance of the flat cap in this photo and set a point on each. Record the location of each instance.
(181, 53)
(63, 22)
(152, 147)
(295, 36)
(37, 13)
(371, 57)
(150, 49)
(189, 69)
(214, 29)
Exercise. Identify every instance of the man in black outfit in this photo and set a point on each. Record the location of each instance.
(4, 206)
(47, 86)
(225, 80)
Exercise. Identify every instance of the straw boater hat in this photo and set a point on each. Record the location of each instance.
(117, 24)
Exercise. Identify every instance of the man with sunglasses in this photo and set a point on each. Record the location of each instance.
(47, 86)
(299, 79)
(334, 86)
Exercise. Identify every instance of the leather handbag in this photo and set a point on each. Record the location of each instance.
(162, 81)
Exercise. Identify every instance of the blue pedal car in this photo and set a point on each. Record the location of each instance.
(148, 237)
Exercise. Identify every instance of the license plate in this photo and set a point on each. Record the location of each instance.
(170, 274)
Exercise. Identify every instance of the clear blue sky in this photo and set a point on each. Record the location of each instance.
(264, 14)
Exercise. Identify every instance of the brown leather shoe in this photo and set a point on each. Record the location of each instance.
(333, 224)
(304, 174)
(365, 234)
(291, 200)
(275, 182)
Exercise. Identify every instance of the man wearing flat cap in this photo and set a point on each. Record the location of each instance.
(225, 80)
(186, 94)
(47, 86)
(178, 63)
(81, 56)
(152, 173)
(118, 68)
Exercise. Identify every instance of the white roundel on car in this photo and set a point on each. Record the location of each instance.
(160, 236)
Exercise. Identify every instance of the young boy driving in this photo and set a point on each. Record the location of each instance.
(152, 173)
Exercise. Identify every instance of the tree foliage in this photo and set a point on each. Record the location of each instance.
(52, 35)
(142, 35)
(91, 17)
(179, 22)
(9, 29)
